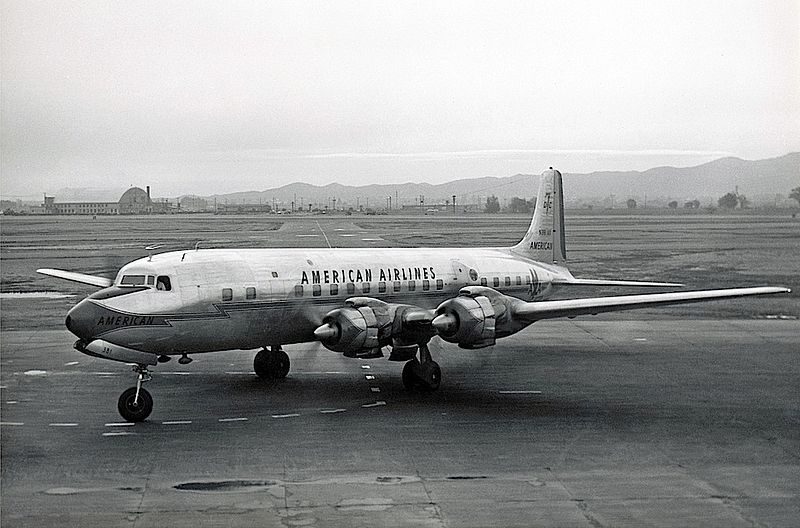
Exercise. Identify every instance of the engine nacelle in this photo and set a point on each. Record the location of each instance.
(365, 325)
(477, 317)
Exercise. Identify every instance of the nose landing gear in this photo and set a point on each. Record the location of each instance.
(136, 404)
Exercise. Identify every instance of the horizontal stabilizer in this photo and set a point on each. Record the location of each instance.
(535, 311)
(92, 280)
(602, 282)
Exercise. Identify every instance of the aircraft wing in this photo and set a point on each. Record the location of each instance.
(534, 311)
(92, 280)
(603, 282)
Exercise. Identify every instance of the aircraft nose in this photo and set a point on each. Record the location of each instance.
(80, 321)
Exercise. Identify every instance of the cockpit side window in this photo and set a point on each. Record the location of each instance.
(163, 283)
(132, 280)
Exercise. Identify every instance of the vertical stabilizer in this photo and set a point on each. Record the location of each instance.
(544, 241)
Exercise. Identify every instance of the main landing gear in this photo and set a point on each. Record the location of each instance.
(272, 363)
(423, 373)
(136, 404)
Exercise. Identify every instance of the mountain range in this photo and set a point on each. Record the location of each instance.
(759, 180)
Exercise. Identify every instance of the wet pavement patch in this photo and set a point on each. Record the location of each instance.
(223, 486)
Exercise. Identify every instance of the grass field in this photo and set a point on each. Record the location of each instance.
(702, 251)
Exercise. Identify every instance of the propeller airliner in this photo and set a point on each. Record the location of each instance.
(354, 301)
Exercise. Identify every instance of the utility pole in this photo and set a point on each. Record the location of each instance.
(454, 204)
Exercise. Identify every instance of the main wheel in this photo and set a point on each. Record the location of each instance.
(134, 410)
(410, 378)
(271, 364)
(430, 376)
(282, 364)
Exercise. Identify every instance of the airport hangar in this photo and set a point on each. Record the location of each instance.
(134, 201)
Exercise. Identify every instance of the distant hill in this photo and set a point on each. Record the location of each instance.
(759, 180)
(756, 179)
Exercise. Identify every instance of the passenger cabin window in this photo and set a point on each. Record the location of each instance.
(397, 286)
(351, 288)
(484, 282)
(519, 280)
(132, 280)
(151, 280)
(426, 285)
(227, 294)
(439, 284)
(381, 287)
(334, 289)
(365, 287)
(298, 290)
(508, 281)
(250, 293)
(275, 274)
(163, 283)
(316, 290)
(412, 285)
(496, 282)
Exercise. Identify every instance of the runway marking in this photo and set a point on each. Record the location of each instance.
(323, 234)
(372, 240)
(238, 373)
(120, 424)
(306, 235)
(11, 402)
(13, 424)
(176, 373)
(375, 389)
(232, 420)
(346, 235)
(104, 373)
(35, 372)
(71, 424)
(520, 392)
(332, 411)
(369, 377)
(119, 433)
(176, 422)
(292, 415)
(71, 363)
(640, 339)
(378, 403)
(3, 387)
(365, 367)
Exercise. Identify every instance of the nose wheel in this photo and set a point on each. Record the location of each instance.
(136, 404)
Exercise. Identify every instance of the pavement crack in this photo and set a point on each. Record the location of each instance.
(434, 507)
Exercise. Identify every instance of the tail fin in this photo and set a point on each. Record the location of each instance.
(544, 241)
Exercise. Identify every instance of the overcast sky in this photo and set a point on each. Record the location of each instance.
(194, 97)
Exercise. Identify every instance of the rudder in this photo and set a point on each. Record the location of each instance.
(544, 241)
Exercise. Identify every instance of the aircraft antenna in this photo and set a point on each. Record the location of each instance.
(197, 245)
(150, 250)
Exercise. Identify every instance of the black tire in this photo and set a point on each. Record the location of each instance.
(410, 378)
(271, 365)
(430, 376)
(135, 412)
(283, 364)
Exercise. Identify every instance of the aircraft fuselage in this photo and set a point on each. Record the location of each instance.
(215, 300)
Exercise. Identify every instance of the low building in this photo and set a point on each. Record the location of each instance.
(134, 201)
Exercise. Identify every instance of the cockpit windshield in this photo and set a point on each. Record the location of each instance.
(162, 282)
(132, 280)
